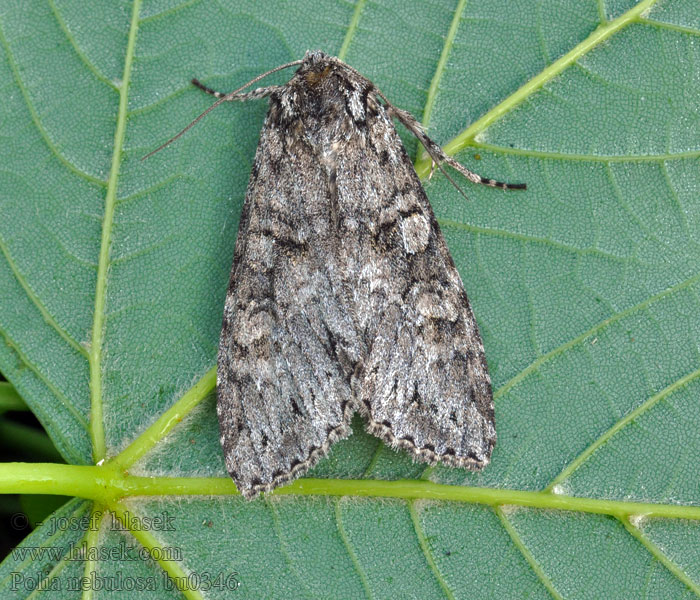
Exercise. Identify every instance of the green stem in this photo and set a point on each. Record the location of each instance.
(165, 423)
(106, 484)
(95, 483)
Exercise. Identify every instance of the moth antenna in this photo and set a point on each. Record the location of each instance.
(225, 98)
(438, 155)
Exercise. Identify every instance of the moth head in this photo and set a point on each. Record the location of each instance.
(314, 56)
(315, 67)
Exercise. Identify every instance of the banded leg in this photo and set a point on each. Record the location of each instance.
(438, 156)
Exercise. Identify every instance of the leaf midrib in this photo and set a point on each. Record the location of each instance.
(97, 432)
(107, 484)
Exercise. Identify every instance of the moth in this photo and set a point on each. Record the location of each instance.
(343, 296)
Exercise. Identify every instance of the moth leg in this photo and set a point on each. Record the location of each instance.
(256, 94)
(433, 164)
(438, 155)
(206, 89)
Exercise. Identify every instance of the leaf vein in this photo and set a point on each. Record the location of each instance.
(91, 537)
(166, 422)
(660, 556)
(143, 535)
(74, 516)
(97, 433)
(48, 317)
(629, 418)
(535, 365)
(427, 553)
(527, 554)
(350, 550)
(623, 202)
(676, 200)
(492, 231)
(670, 26)
(442, 64)
(78, 51)
(283, 546)
(604, 158)
(52, 388)
(597, 37)
(169, 11)
(352, 29)
(37, 121)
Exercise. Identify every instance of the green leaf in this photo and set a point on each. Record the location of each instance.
(113, 273)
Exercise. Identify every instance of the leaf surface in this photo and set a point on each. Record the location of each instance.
(113, 273)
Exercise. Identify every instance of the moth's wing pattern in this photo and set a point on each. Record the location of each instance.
(287, 345)
(425, 385)
(343, 295)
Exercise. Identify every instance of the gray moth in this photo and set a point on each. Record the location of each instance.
(343, 296)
